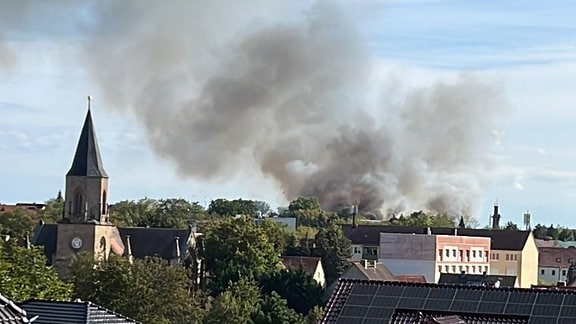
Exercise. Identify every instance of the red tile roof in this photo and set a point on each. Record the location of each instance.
(310, 264)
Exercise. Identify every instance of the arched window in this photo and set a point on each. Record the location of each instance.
(104, 202)
(78, 202)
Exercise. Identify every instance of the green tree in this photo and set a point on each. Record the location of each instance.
(236, 305)
(510, 226)
(52, 212)
(139, 290)
(334, 249)
(165, 213)
(235, 248)
(24, 274)
(298, 287)
(307, 212)
(273, 309)
(277, 234)
(540, 232)
(262, 207)
(224, 207)
(133, 213)
(17, 223)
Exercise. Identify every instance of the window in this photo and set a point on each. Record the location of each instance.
(553, 272)
(439, 268)
(479, 254)
(440, 254)
(78, 202)
(515, 257)
(447, 253)
(542, 272)
(357, 250)
(474, 253)
(104, 202)
(454, 253)
(563, 272)
(570, 260)
(454, 269)
(473, 269)
(446, 269)
(507, 257)
(558, 260)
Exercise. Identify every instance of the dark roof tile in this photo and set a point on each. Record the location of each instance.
(87, 161)
(50, 312)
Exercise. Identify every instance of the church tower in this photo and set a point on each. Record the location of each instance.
(84, 227)
(86, 182)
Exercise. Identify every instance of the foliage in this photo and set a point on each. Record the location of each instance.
(510, 226)
(262, 207)
(52, 212)
(277, 234)
(235, 248)
(307, 212)
(334, 249)
(224, 207)
(17, 223)
(147, 212)
(314, 316)
(274, 309)
(298, 287)
(149, 290)
(236, 304)
(24, 274)
(421, 219)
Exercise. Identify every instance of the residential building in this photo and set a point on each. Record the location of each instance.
(431, 255)
(553, 264)
(312, 265)
(511, 252)
(363, 302)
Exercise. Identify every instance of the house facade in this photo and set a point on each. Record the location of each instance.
(511, 252)
(554, 263)
(431, 255)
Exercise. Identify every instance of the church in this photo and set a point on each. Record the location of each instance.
(85, 226)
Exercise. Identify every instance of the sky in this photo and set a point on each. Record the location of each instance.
(449, 106)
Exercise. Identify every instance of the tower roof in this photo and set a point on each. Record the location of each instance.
(87, 160)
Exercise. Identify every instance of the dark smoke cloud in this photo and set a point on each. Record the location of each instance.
(223, 87)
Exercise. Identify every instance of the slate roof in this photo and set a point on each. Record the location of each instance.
(477, 279)
(10, 313)
(156, 241)
(500, 239)
(50, 312)
(87, 161)
(46, 235)
(373, 271)
(362, 301)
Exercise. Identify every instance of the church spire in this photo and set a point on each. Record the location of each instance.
(87, 161)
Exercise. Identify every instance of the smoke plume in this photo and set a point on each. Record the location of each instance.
(226, 86)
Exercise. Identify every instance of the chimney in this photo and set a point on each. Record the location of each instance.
(354, 212)
(496, 218)
(455, 232)
(177, 241)
(365, 264)
(129, 249)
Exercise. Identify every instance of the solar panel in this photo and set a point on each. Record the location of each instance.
(437, 304)
(549, 299)
(419, 292)
(355, 311)
(415, 303)
(543, 320)
(568, 311)
(469, 294)
(390, 291)
(491, 308)
(364, 290)
(495, 296)
(465, 306)
(550, 310)
(377, 312)
(446, 293)
(349, 320)
(521, 309)
(522, 297)
(385, 301)
(359, 300)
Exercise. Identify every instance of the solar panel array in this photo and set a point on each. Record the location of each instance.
(375, 302)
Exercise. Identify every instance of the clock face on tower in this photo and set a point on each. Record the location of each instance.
(76, 243)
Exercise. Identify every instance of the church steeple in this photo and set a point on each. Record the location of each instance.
(87, 161)
(86, 181)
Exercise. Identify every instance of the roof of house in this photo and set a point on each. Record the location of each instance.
(373, 271)
(159, 242)
(87, 161)
(556, 257)
(477, 279)
(76, 312)
(362, 301)
(500, 239)
(11, 313)
(545, 243)
(46, 235)
(309, 264)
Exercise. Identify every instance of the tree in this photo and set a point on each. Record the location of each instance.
(52, 212)
(235, 305)
(150, 290)
(298, 287)
(17, 223)
(262, 207)
(224, 207)
(274, 309)
(165, 213)
(133, 213)
(334, 249)
(235, 248)
(277, 234)
(510, 226)
(307, 212)
(24, 274)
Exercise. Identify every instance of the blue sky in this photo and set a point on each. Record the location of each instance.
(524, 49)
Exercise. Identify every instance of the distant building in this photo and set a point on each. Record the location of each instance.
(85, 225)
(484, 280)
(553, 264)
(312, 265)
